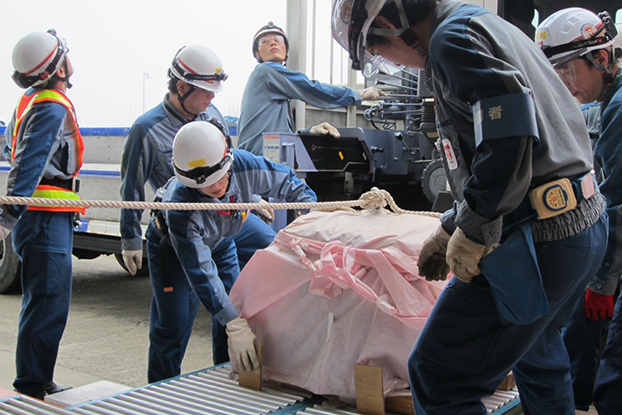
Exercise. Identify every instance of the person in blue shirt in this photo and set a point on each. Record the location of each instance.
(580, 46)
(528, 227)
(270, 87)
(44, 148)
(192, 255)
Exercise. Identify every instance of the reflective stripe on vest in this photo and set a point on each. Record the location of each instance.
(54, 192)
(45, 191)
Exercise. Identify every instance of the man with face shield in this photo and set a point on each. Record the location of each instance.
(580, 46)
(527, 229)
(192, 253)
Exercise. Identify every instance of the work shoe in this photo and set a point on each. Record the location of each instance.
(37, 395)
(51, 388)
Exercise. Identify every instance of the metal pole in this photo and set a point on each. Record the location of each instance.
(297, 32)
(351, 111)
(313, 39)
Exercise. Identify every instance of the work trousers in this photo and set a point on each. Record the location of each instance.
(43, 242)
(173, 312)
(583, 339)
(464, 351)
(608, 387)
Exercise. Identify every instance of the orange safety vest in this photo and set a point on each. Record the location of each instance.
(46, 191)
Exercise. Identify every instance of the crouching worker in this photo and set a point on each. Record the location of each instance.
(192, 255)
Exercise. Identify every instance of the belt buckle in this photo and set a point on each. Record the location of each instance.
(553, 198)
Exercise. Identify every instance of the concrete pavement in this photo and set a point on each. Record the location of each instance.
(107, 334)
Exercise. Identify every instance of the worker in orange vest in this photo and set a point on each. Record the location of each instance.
(44, 148)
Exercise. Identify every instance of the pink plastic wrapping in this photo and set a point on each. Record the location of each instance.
(338, 289)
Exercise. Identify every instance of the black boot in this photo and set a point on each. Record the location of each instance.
(51, 388)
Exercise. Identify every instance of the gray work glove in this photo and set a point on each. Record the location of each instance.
(241, 343)
(323, 129)
(372, 94)
(432, 262)
(133, 260)
(463, 256)
(265, 212)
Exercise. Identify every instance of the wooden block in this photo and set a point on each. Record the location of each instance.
(508, 383)
(400, 402)
(252, 379)
(369, 390)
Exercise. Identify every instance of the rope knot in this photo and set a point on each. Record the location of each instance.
(374, 198)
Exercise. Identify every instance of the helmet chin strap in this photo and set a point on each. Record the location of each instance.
(65, 78)
(182, 98)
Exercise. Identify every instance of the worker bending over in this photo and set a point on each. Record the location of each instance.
(192, 254)
(196, 74)
(527, 230)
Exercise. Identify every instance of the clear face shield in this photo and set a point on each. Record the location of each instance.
(377, 64)
(567, 71)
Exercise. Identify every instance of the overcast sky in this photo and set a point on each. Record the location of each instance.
(114, 43)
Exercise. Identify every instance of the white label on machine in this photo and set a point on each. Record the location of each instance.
(272, 148)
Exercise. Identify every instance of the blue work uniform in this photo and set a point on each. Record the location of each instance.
(607, 398)
(148, 158)
(47, 151)
(507, 124)
(584, 337)
(265, 103)
(195, 262)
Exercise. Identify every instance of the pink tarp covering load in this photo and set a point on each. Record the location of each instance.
(338, 289)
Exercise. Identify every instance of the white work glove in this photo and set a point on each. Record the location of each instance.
(432, 262)
(323, 129)
(372, 94)
(4, 232)
(242, 344)
(266, 212)
(133, 260)
(463, 256)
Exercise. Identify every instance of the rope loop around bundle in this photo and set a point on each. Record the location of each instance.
(373, 199)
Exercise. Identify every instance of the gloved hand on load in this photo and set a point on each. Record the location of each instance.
(133, 260)
(372, 93)
(241, 343)
(432, 261)
(323, 129)
(463, 256)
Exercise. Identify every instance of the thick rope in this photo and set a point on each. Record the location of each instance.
(375, 198)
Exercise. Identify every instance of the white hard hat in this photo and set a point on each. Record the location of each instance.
(198, 66)
(36, 57)
(202, 153)
(350, 23)
(573, 32)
